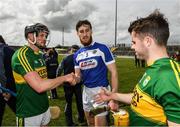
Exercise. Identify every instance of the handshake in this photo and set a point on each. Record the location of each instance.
(72, 78)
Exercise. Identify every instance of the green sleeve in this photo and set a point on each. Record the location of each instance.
(23, 64)
(167, 94)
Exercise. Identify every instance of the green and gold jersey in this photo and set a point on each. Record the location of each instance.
(156, 97)
(29, 102)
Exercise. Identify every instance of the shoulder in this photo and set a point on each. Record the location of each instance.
(9, 51)
(70, 56)
(167, 70)
(21, 53)
(101, 46)
(78, 52)
(2, 47)
(67, 57)
(168, 74)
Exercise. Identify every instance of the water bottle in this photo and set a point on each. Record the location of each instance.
(121, 118)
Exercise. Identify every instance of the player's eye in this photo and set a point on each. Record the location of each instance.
(133, 43)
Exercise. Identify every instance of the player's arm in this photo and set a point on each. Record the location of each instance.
(78, 75)
(114, 76)
(172, 124)
(60, 69)
(40, 85)
(106, 95)
(125, 98)
(114, 83)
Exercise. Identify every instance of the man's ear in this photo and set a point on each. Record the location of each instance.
(148, 41)
(30, 36)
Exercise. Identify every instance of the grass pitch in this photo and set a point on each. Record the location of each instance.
(128, 75)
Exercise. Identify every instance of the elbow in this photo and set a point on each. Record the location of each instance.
(40, 89)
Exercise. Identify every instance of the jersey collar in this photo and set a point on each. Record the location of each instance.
(90, 45)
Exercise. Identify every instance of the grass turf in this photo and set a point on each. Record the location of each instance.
(128, 74)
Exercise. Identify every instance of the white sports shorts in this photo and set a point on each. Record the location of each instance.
(88, 99)
(39, 120)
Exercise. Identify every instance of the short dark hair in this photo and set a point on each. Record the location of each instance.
(154, 25)
(83, 22)
(2, 40)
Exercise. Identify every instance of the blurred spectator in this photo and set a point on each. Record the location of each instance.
(6, 78)
(177, 56)
(142, 63)
(51, 59)
(67, 66)
(137, 61)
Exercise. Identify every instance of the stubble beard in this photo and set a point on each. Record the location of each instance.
(87, 43)
(40, 46)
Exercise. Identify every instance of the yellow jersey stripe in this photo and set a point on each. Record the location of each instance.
(175, 72)
(178, 67)
(22, 58)
(26, 61)
(18, 78)
(146, 106)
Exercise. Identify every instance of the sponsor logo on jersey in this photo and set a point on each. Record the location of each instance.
(94, 51)
(88, 64)
(145, 106)
(42, 72)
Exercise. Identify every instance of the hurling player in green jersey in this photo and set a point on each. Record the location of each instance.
(29, 71)
(155, 100)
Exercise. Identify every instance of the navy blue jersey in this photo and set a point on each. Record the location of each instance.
(93, 61)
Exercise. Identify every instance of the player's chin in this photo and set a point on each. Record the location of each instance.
(43, 44)
(140, 57)
(86, 43)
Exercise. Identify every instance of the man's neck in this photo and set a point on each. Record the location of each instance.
(33, 47)
(157, 54)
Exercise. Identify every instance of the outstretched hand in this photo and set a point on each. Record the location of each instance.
(78, 78)
(71, 78)
(103, 96)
